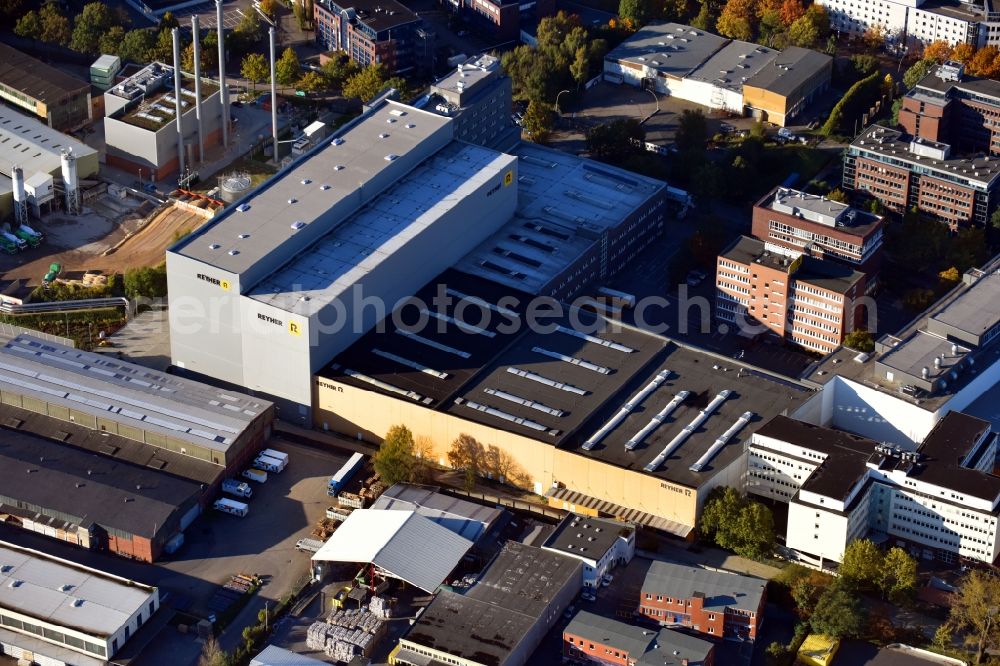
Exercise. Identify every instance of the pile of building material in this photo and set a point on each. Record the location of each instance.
(382, 606)
(346, 634)
(352, 500)
(325, 528)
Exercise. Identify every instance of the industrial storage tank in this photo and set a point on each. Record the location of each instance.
(234, 186)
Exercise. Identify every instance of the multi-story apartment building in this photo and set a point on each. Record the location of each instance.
(767, 288)
(905, 172)
(369, 31)
(821, 228)
(719, 604)
(917, 20)
(940, 500)
(502, 17)
(591, 638)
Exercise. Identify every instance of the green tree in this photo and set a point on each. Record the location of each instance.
(995, 219)
(838, 195)
(580, 66)
(468, 455)
(805, 594)
(338, 69)
(269, 7)
(312, 82)
(692, 131)
(898, 575)
(636, 12)
(367, 83)
(861, 563)
(838, 613)
(863, 64)
(737, 524)
(55, 26)
(212, 654)
(163, 49)
(917, 71)
(287, 69)
(111, 41)
(537, 121)
(974, 611)
(29, 26)
(168, 22)
(860, 340)
(616, 140)
(394, 460)
(249, 31)
(149, 282)
(254, 68)
(803, 33)
(705, 18)
(95, 20)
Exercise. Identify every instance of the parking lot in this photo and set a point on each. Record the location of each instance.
(232, 14)
(282, 510)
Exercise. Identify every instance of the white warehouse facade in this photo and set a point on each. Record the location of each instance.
(939, 500)
(282, 275)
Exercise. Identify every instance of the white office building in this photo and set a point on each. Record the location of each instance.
(599, 543)
(938, 500)
(917, 20)
(55, 612)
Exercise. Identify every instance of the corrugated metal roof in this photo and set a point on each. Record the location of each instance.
(402, 543)
(273, 655)
(466, 519)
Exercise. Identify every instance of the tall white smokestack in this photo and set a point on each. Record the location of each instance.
(20, 199)
(195, 32)
(223, 89)
(71, 183)
(178, 109)
(274, 101)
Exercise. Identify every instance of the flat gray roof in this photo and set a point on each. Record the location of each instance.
(35, 147)
(465, 518)
(127, 393)
(977, 309)
(732, 65)
(357, 159)
(821, 210)
(564, 204)
(721, 589)
(892, 144)
(660, 648)
(362, 242)
(464, 79)
(919, 351)
(828, 275)
(791, 68)
(107, 601)
(671, 49)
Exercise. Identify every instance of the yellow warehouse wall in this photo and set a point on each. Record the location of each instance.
(532, 464)
(774, 104)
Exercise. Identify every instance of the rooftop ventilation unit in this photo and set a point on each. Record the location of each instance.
(337, 141)
(525, 402)
(626, 409)
(655, 463)
(412, 395)
(432, 344)
(596, 340)
(486, 409)
(410, 364)
(571, 359)
(468, 328)
(721, 442)
(656, 421)
(535, 377)
(298, 224)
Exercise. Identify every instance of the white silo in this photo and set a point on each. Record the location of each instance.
(20, 198)
(71, 183)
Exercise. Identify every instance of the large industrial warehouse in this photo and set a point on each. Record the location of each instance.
(602, 421)
(303, 267)
(164, 412)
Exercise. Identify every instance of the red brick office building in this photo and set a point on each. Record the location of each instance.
(717, 604)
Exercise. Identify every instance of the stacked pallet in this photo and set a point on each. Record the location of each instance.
(346, 634)
(381, 606)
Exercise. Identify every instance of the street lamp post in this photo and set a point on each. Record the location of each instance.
(558, 110)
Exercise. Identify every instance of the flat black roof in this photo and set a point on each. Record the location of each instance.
(558, 382)
(586, 536)
(91, 488)
(35, 79)
(943, 450)
(847, 454)
(487, 622)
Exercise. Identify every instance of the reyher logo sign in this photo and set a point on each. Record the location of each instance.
(293, 327)
(508, 178)
(211, 280)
